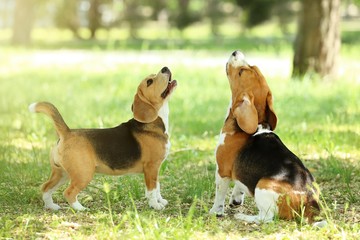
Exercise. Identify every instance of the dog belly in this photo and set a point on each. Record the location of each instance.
(102, 168)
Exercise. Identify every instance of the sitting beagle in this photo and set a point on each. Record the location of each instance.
(252, 155)
(137, 146)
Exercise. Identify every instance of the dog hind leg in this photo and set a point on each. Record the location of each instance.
(79, 179)
(58, 177)
(266, 202)
(71, 194)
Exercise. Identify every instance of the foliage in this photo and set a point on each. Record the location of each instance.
(259, 11)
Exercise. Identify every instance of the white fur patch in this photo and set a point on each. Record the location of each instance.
(262, 130)
(32, 107)
(164, 115)
(154, 198)
(320, 224)
(47, 196)
(221, 140)
(280, 176)
(238, 60)
(222, 186)
(161, 200)
(238, 193)
(49, 203)
(77, 206)
(242, 187)
(266, 203)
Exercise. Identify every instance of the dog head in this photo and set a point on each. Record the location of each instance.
(152, 93)
(251, 96)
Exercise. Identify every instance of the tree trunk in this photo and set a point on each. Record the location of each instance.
(94, 17)
(317, 43)
(23, 21)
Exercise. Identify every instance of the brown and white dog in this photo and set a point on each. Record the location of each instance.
(137, 146)
(252, 155)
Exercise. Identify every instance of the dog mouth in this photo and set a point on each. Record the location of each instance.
(170, 88)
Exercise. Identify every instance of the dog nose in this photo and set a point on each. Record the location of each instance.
(234, 53)
(165, 69)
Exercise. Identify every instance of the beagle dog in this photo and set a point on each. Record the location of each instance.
(252, 155)
(137, 146)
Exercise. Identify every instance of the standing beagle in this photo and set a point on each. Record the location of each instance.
(137, 146)
(252, 155)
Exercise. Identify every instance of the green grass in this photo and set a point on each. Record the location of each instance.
(318, 120)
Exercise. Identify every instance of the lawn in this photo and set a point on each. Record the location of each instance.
(318, 120)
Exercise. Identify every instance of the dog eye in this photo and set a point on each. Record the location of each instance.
(149, 82)
(241, 71)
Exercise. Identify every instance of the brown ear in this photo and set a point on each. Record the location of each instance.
(143, 112)
(270, 113)
(245, 113)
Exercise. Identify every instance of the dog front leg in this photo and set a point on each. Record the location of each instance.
(159, 197)
(152, 191)
(222, 186)
(238, 195)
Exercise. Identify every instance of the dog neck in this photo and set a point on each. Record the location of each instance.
(164, 115)
(262, 128)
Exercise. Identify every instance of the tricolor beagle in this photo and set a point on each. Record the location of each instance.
(137, 146)
(254, 157)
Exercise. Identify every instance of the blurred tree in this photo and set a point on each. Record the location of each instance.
(94, 17)
(257, 11)
(66, 16)
(183, 16)
(157, 6)
(23, 22)
(317, 43)
(215, 15)
(133, 16)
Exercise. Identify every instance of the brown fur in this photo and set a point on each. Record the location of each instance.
(75, 156)
(243, 120)
(252, 105)
(291, 203)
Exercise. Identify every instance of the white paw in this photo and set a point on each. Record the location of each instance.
(247, 218)
(156, 205)
(78, 207)
(218, 210)
(52, 206)
(320, 224)
(162, 201)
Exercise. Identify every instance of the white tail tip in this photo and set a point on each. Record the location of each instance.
(32, 107)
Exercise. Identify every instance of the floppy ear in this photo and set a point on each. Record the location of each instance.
(270, 113)
(245, 113)
(143, 112)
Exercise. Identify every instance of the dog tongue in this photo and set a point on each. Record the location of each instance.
(170, 86)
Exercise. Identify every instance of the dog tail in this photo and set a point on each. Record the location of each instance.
(313, 208)
(50, 110)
